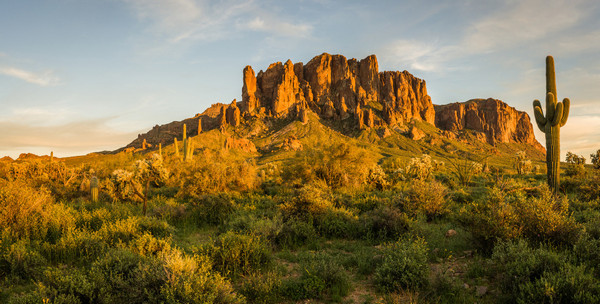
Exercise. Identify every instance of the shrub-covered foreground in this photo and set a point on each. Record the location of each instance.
(319, 229)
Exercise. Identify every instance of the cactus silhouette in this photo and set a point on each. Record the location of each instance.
(556, 117)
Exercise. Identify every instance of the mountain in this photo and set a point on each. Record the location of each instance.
(353, 98)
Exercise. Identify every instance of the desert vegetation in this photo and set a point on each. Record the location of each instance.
(329, 223)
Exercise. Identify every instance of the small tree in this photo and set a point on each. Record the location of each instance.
(595, 158)
(576, 164)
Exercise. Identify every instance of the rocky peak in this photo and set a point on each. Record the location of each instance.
(499, 122)
(334, 86)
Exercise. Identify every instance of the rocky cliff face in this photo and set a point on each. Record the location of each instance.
(492, 117)
(336, 88)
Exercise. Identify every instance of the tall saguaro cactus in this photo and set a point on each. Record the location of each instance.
(556, 117)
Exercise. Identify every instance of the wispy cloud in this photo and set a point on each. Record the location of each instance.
(275, 26)
(44, 79)
(512, 24)
(201, 20)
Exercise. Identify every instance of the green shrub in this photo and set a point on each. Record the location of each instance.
(384, 223)
(76, 245)
(529, 275)
(428, 198)
(190, 279)
(21, 261)
(236, 254)
(404, 265)
(262, 288)
(587, 251)
(337, 222)
(212, 209)
(504, 217)
(321, 277)
(121, 276)
(296, 232)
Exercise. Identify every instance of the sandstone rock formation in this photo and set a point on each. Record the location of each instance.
(335, 87)
(494, 118)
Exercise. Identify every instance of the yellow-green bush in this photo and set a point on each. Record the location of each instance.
(428, 198)
(404, 266)
(235, 254)
(31, 213)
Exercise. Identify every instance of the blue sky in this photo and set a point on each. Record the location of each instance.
(78, 76)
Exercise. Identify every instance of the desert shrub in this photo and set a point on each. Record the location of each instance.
(253, 223)
(76, 245)
(154, 226)
(235, 254)
(148, 245)
(168, 209)
(337, 222)
(321, 277)
(296, 232)
(404, 265)
(521, 163)
(121, 276)
(190, 279)
(67, 286)
(93, 220)
(31, 213)
(547, 218)
(308, 202)
(262, 288)
(21, 261)
(541, 275)
(384, 223)
(212, 209)
(587, 252)
(120, 231)
(215, 172)
(428, 198)
(501, 216)
(339, 165)
(575, 164)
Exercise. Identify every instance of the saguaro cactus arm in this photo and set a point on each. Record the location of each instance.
(566, 105)
(539, 114)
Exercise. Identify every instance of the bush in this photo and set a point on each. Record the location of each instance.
(124, 277)
(384, 223)
(503, 217)
(339, 165)
(308, 202)
(337, 222)
(213, 209)
(262, 288)
(530, 275)
(296, 232)
(428, 198)
(236, 254)
(321, 277)
(31, 213)
(404, 265)
(191, 280)
(21, 261)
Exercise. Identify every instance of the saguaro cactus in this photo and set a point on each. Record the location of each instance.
(94, 188)
(556, 117)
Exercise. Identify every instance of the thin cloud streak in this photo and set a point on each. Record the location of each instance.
(43, 79)
(521, 23)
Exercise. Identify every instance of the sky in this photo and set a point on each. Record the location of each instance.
(79, 76)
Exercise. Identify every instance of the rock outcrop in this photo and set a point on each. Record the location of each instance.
(335, 87)
(499, 122)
